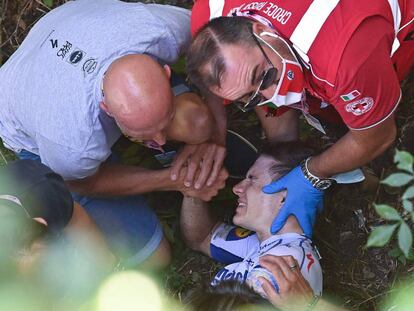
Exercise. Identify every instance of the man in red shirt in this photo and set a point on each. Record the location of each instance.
(346, 54)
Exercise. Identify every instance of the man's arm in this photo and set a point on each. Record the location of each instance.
(197, 224)
(356, 148)
(281, 128)
(123, 180)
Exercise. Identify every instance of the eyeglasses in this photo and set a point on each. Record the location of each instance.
(269, 78)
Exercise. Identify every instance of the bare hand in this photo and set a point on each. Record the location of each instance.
(206, 193)
(206, 157)
(294, 291)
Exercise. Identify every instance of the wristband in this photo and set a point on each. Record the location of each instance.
(315, 181)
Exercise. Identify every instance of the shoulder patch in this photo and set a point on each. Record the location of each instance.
(238, 234)
(361, 106)
(350, 96)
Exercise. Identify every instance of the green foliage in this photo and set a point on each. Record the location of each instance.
(48, 3)
(397, 179)
(405, 238)
(387, 212)
(381, 235)
(5, 155)
(404, 161)
(179, 66)
(401, 297)
(409, 193)
(408, 206)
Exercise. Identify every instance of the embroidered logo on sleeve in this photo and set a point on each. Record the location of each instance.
(361, 106)
(242, 233)
(238, 234)
(350, 96)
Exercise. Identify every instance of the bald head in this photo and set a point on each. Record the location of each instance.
(137, 91)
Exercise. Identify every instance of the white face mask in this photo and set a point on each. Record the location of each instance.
(289, 89)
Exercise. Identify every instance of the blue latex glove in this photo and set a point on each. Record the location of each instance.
(302, 200)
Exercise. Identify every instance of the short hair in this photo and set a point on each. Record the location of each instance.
(287, 154)
(226, 296)
(206, 48)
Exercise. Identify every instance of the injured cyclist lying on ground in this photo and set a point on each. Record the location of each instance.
(241, 245)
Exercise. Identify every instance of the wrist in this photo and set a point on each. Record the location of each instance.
(317, 182)
(165, 181)
(313, 168)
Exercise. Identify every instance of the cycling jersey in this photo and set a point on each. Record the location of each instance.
(241, 250)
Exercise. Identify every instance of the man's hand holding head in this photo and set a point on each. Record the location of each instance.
(303, 200)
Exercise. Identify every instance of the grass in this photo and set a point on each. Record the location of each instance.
(5, 155)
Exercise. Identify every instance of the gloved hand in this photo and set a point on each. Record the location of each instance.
(302, 200)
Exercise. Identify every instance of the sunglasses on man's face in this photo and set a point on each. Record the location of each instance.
(269, 77)
(249, 102)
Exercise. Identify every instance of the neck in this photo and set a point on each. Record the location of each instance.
(291, 226)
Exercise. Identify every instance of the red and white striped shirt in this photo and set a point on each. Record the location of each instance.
(354, 52)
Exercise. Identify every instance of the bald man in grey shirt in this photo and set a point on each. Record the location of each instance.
(88, 72)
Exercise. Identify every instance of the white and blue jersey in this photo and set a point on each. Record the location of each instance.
(241, 250)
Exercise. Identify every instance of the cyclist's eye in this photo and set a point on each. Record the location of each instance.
(251, 178)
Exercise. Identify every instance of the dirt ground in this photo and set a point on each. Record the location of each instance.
(354, 276)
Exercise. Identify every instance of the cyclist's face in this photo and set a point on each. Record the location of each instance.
(256, 210)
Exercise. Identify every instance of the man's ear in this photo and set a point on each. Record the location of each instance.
(258, 28)
(167, 70)
(105, 108)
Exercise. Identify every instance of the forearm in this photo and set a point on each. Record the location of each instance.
(196, 223)
(353, 150)
(123, 180)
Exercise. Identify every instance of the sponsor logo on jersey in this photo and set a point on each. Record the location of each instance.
(227, 274)
(238, 234)
(361, 106)
(54, 43)
(311, 261)
(350, 96)
(89, 65)
(242, 233)
(75, 57)
(64, 50)
(267, 9)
